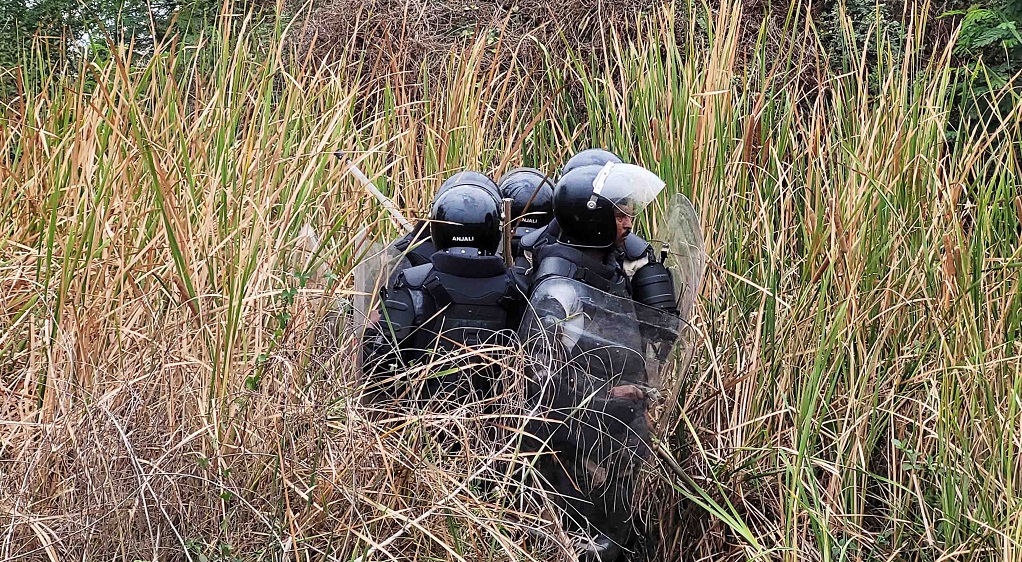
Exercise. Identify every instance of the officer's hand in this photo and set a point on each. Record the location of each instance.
(636, 393)
(374, 317)
(627, 391)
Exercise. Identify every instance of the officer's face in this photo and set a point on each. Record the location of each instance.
(624, 224)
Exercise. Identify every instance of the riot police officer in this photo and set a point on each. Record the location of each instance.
(531, 242)
(601, 382)
(417, 246)
(594, 241)
(462, 297)
(633, 252)
(531, 193)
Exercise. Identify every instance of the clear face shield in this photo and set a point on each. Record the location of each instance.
(627, 186)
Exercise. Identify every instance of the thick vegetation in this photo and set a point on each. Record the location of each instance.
(169, 391)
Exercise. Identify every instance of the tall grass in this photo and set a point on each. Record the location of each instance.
(167, 394)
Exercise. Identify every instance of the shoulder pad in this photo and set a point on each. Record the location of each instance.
(399, 314)
(635, 247)
(420, 253)
(529, 241)
(417, 234)
(541, 237)
(401, 244)
(416, 276)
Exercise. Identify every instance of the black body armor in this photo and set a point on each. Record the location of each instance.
(458, 300)
(417, 245)
(547, 235)
(474, 294)
(527, 256)
(558, 260)
(650, 281)
(635, 248)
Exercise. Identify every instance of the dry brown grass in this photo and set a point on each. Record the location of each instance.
(417, 37)
(165, 392)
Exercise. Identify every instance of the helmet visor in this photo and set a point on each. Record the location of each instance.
(629, 187)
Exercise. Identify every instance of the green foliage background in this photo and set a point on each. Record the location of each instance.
(989, 47)
(59, 31)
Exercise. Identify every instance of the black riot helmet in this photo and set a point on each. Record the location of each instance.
(532, 198)
(590, 157)
(587, 201)
(470, 177)
(465, 216)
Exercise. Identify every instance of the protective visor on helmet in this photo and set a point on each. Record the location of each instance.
(627, 186)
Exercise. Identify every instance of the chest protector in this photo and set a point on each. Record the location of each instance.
(468, 301)
(564, 261)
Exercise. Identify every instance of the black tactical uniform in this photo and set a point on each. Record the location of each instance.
(531, 193)
(631, 257)
(462, 297)
(645, 278)
(606, 417)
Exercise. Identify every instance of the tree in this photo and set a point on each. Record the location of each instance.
(75, 26)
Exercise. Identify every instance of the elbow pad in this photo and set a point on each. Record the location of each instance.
(384, 344)
(398, 315)
(653, 286)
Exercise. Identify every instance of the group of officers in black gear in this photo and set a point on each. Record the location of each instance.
(571, 239)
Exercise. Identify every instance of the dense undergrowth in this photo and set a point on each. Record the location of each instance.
(169, 392)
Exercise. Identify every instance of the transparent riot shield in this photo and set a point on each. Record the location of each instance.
(686, 255)
(603, 340)
(376, 265)
(592, 357)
